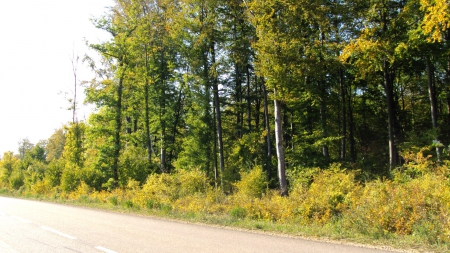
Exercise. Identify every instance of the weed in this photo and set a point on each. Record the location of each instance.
(238, 212)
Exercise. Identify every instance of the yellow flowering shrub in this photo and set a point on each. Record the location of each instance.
(402, 207)
(42, 187)
(330, 194)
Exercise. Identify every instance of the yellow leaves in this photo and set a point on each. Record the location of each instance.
(366, 54)
(437, 18)
(252, 184)
(329, 195)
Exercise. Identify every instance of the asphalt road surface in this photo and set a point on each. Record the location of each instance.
(33, 226)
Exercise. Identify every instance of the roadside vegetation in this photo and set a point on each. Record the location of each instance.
(408, 209)
(317, 118)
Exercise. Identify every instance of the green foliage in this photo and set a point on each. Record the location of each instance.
(246, 152)
(7, 165)
(73, 148)
(331, 64)
(134, 165)
(55, 145)
(54, 171)
(238, 213)
(70, 178)
(409, 205)
(16, 180)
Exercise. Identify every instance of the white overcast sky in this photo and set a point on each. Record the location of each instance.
(37, 38)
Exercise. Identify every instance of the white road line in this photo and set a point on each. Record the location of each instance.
(59, 233)
(20, 219)
(105, 249)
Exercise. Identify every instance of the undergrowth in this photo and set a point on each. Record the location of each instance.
(409, 209)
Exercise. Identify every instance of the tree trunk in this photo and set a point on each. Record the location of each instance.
(279, 146)
(389, 90)
(239, 113)
(433, 103)
(249, 102)
(343, 114)
(175, 124)
(163, 167)
(268, 138)
(257, 103)
(129, 124)
(118, 121)
(351, 126)
(323, 120)
(148, 139)
(217, 110)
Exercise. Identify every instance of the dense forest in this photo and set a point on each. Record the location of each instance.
(294, 111)
(229, 86)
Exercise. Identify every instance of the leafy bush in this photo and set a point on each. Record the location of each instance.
(42, 187)
(16, 180)
(54, 172)
(330, 194)
(69, 178)
(133, 164)
(252, 184)
(238, 212)
(191, 182)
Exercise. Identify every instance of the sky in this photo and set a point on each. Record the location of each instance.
(37, 41)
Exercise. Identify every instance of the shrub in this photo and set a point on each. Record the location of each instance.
(82, 190)
(238, 212)
(16, 180)
(114, 200)
(252, 184)
(70, 178)
(42, 187)
(191, 182)
(330, 194)
(54, 172)
(160, 188)
(405, 208)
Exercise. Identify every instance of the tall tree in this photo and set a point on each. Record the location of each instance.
(374, 51)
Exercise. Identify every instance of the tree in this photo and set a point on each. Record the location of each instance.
(55, 145)
(374, 51)
(121, 26)
(24, 146)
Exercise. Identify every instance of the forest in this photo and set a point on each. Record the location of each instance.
(324, 100)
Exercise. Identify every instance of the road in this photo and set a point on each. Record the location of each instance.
(33, 226)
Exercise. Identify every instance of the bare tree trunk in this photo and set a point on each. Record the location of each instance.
(148, 139)
(74, 102)
(257, 103)
(323, 120)
(163, 167)
(279, 146)
(118, 120)
(389, 90)
(433, 103)
(343, 114)
(217, 110)
(351, 125)
(129, 124)
(268, 138)
(175, 124)
(239, 113)
(249, 102)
